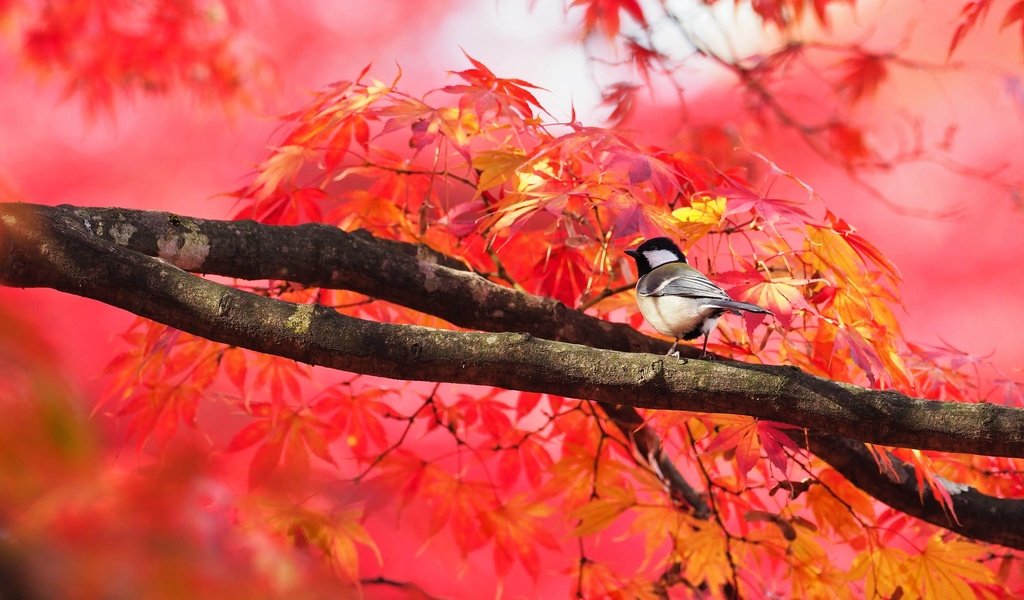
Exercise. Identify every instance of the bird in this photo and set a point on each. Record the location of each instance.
(676, 299)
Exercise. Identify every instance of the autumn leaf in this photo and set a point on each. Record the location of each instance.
(604, 15)
(949, 568)
(562, 275)
(743, 438)
(885, 571)
(702, 216)
(354, 127)
(783, 296)
(282, 167)
(848, 143)
(497, 166)
(597, 514)
(970, 14)
(336, 535)
(862, 74)
(520, 525)
(737, 437)
(838, 507)
(465, 507)
(621, 97)
(487, 92)
(705, 560)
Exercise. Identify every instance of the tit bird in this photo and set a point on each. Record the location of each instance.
(677, 299)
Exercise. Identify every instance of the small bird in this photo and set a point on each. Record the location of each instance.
(677, 299)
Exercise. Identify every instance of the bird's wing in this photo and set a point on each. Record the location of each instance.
(688, 282)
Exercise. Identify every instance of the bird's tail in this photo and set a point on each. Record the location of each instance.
(735, 307)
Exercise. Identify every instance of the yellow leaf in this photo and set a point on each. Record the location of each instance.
(837, 256)
(702, 215)
(813, 572)
(336, 536)
(458, 124)
(656, 524)
(600, 512)
(883, 569)
(705, 558)
(832, 502)
(945, 568)
(497, 166)
(538, 176)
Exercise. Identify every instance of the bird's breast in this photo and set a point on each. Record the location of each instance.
(677, 316)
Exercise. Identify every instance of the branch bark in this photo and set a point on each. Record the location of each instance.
(86, 252)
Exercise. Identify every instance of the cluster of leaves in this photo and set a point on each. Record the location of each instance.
(76, 526)
(104, 48)
(479, 170)
(802, 58)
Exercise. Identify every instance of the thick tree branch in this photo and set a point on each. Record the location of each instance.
(63, 248)
(323, 256)
(56, 247)
(980, 516)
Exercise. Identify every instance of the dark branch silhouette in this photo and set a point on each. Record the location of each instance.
(108, 255)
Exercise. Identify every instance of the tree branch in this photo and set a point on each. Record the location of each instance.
(65, 248)
(980, 516)
(56, 247)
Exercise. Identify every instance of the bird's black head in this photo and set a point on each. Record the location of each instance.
(655, 252)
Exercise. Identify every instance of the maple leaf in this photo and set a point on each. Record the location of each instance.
(703, 215)
(491, 414)
(280, 374)
(562, 274)
(519, 525)
(161, 381)
(597, 514)
(497, 166)
(357, 418)
(743, 438)
(815, 575)
(604, 15)
(781, 295)
(864, 249)
(839, 507)
(283, 165)
(884, 569)
(621, 97)
(353, 127)
(970, 14)
(773, 211)
(337, 535)
(599, 580)
(949, 568)
(488, 92)
(654, 523)
(286, 433)
(705, 559)
(862, 75)
(465, 507)
(848, 142)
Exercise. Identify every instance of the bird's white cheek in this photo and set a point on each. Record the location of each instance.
(672, 315)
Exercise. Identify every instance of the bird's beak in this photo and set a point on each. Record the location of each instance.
(632, 253)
